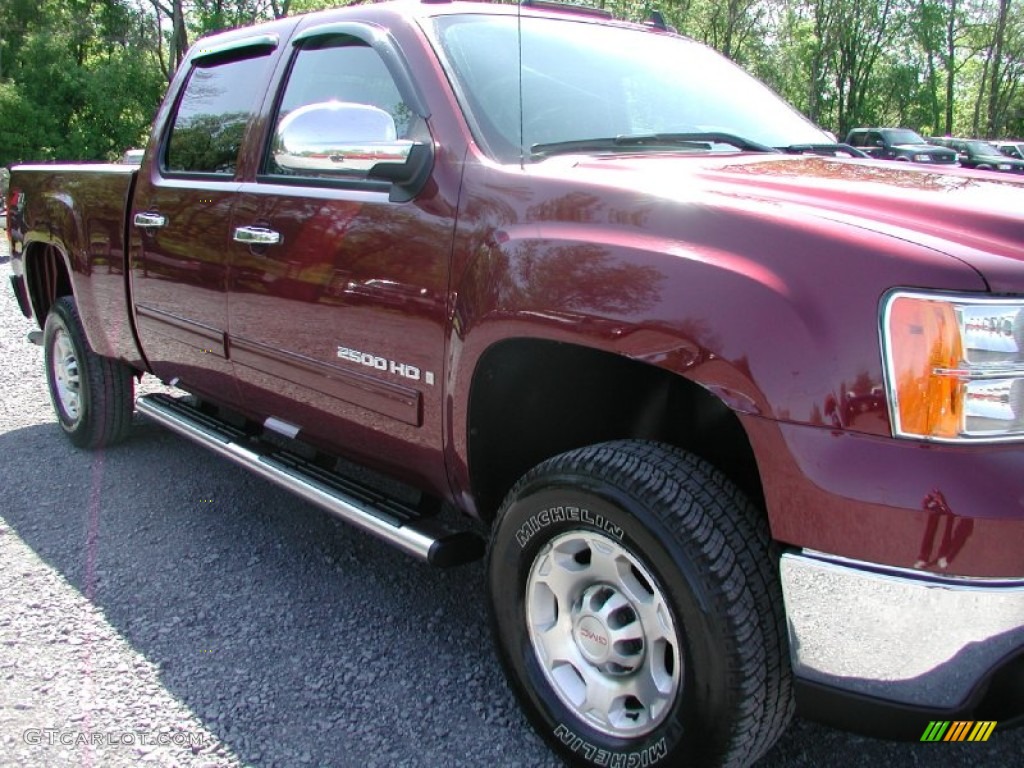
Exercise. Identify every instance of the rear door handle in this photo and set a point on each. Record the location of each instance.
(150, 220)
(257, 236)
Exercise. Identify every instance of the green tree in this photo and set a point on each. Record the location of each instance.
(80, 82)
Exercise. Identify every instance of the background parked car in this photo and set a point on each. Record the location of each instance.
(898, 144)
(1014, 149)
(982, 155)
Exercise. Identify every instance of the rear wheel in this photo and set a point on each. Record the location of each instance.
(637, 611)
(91, 395)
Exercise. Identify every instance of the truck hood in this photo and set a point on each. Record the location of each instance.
(975, 217)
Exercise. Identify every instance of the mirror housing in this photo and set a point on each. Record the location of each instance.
(339, 140)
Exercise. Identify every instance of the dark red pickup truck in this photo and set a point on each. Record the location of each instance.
(744, 417)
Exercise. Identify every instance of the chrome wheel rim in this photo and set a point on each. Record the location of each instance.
(603, 634)
(66, 376)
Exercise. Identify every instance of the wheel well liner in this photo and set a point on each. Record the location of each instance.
(46, 278)
(532, 399)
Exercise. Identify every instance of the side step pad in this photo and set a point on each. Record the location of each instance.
(397, 523)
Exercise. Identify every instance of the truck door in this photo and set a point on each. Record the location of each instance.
(179, 219)
(339, 279)
(875, 145)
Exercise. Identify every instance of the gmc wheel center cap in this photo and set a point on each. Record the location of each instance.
(592, 639)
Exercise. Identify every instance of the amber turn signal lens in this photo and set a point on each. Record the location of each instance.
(925, 348)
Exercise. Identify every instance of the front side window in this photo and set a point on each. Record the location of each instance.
(218, 102)
(346, 74)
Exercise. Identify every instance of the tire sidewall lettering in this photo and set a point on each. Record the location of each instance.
(537, 521)
(640, 758)
(566, 514)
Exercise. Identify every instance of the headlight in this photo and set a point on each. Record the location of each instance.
(954, 366)
(922, 158)
(1004, 166)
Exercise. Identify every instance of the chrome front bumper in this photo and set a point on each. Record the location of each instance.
(898, 635)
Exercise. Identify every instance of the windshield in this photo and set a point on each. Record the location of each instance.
(904, 136)
(982, 148)
(583, 81)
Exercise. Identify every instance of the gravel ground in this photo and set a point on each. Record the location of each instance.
(162, 607)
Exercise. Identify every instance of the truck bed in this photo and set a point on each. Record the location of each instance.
(81, 209)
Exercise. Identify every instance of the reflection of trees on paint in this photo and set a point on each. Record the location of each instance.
(581, 277)
(563, 279)
(578, 276)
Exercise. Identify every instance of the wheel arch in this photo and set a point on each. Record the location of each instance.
(52, 270)
(47, 277)
(531, 399)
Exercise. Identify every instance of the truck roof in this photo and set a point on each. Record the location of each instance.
(389, 12)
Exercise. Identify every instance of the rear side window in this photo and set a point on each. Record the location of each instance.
(217, 104)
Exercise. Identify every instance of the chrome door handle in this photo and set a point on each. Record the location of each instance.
(148, 220)
(257, 236)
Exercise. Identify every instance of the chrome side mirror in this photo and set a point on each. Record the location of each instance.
(338, 138)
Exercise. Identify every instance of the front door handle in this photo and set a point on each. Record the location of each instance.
(257, 236)
(150, 220)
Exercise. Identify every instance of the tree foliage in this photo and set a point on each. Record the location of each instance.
(81, 79)
(77, 79)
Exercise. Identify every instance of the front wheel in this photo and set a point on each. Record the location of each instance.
(92, 395)
(637, 611)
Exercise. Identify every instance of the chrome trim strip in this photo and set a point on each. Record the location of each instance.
(916, 639)
(405, 538)
(938, 579)
(981, 374)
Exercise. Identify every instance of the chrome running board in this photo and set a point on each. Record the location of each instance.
(399, 524)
